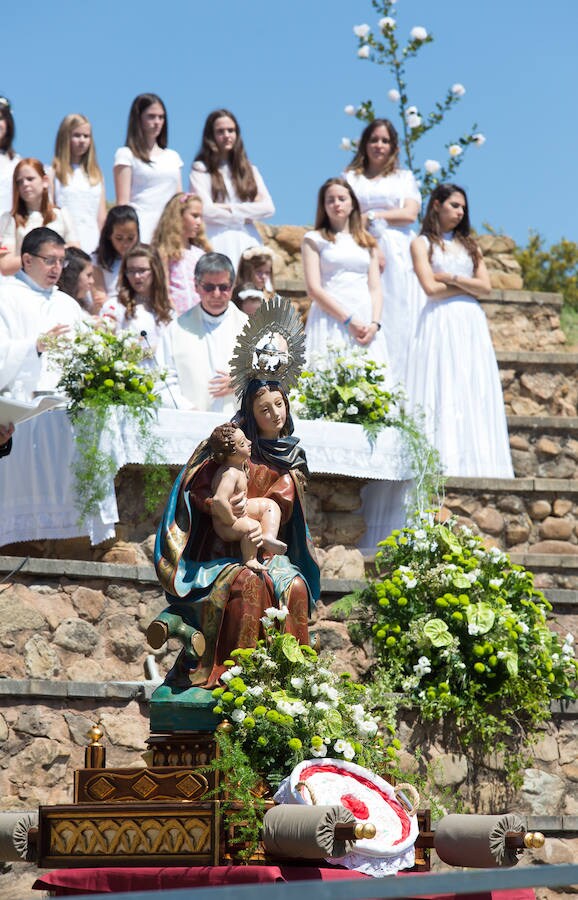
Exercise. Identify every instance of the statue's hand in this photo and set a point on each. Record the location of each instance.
(238, 504)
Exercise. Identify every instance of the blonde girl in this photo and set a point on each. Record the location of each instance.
(181, 240)
(142, 305)
(78, 184)
(256, 267)
(31, 208)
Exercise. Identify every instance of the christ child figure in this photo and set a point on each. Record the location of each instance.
(232, 450)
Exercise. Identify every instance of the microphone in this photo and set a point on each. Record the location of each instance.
(144, 335)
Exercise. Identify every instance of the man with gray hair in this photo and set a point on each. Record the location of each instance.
(196, 348)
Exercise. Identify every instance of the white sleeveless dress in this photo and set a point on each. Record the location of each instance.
(403, 298)
(455, 378)
(344, 271)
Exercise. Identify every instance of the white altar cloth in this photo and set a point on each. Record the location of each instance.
(37, 479)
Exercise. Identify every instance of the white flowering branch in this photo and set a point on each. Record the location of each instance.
(383, 48)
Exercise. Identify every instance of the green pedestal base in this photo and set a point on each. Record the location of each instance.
(175, 709)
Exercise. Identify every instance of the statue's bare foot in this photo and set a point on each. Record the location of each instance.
(273, 545)
(255, 565)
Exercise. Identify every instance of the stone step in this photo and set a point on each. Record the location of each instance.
(539, 384)
(523, 320)
(544, 446)
(534, 519)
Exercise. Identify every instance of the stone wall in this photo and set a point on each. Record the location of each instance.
(539, 384)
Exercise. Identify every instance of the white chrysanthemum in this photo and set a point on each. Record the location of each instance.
(363, 51)
(386, 22)
(367, 728)
(496, 582)
(394, 95)
(349, 110)
(345, 143)
(431, 166)
(361, 31)
(226, 677)
(479, 139)
(418, 33)
(455, 150)
(458, 89)
(297, 682)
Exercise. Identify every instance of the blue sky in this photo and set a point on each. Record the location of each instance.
(288, 69)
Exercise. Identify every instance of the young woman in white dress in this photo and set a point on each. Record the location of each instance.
(341, 268)
(8, 156)
(77, 279)
(232, 190)
(119, 235)
(146, 172)
(78, 184)
(143, 303)
(390, 202)
(181, 241)
(455, 379)
(31, 208)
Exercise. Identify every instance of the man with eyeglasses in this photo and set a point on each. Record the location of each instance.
(32, 309)
(196, 348)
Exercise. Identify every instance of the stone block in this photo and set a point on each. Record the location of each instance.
(547, 447)
(516, 533)
(539, 384)
(489, 520)
(562, 507)
(343, 528)
(88, 603)
(127, 731)
(78, 636)
(340, 562)
(290, 237)
(450, 769)
(525, 406)
(40, 658)
(551, 546)
(556, 529)
(539, 509)
(541, 793)
(517, 442)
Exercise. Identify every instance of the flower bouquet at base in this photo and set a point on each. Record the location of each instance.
(285, 705)
(462, 632)
(100, 370)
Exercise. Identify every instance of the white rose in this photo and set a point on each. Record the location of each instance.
(345, 143)
(455, 150)
(238, 715)
(386, 22)
(413, 121)
(431, 166)
(361, 31)
(349, 110)
(418, 33)
(363, 51)
(479, 139)
(458, 89)
(394, 95)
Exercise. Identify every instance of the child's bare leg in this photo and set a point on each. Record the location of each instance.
(249, 554)
(239, 531)
(269, 513)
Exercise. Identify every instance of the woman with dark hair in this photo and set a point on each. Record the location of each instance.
(77, 279)
(225, 600)
(119, 234)
(455, 379)
(390, 202)
(146, 173)
(232, 190)
(8, 156)
(341, 270)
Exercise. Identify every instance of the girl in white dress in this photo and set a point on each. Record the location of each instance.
(232, 190)
(8, 156)
(181, 241)
(143, 302)
(455, 379)
(31, 208)
(146, 172)
(78, 184)
(390, 202)
(341, 268)
(118, 236)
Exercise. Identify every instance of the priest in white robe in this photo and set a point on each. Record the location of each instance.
(31, 310)
(196, 348)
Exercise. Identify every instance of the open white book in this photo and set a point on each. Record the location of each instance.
(18, 410)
